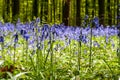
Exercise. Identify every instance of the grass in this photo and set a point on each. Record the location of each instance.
(58, 61)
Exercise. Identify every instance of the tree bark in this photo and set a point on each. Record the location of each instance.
(78, 17)
(66, 7)
(15, 9)
(6, 10)
(41, 12)
(109, 13)
(86, 7)
(101, 11)
(35, 8)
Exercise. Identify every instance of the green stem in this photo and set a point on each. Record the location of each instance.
(90, 55)
(14, 53)
(26, 52)
(3, 55)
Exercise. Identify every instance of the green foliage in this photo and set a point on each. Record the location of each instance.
(51, 12)
(64, 65)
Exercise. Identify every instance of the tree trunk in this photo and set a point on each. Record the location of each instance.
(35, 8)
(65, 17)
(86, 7)
(41, 12)
(15, 9)
(78, 19)
(46, 11)
(6, 10)
(101, 11)
(109, 13)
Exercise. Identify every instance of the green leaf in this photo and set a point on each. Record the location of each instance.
(10, 75)
(20, 74)
(1, 62)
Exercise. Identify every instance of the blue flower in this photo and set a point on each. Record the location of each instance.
(38, 20)
(45, 27)
(118, 26)
(96, 20)
(26, 36)
(16, 38)
(1, 39)
(96, 44)
(119, 34)
(23, 32)
(86, 17)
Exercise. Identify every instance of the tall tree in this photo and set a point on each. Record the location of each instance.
(6, 10)
(42, 11)
(86, 7)
(65, 16)
(15, 9)
(78, 19)
(101, 10)
(35, 8)
(46, 11)
(94, 8)
(109, 13)
(54, 5)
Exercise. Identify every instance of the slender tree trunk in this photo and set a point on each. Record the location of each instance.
(65, 17)
(78, 19)
(35, 8)
(6, 10)
(46, 11)
(94, 8)
(41, 13)
(8, 6)
(54, 10)
(86, 7)
(114, 12)
(3, 10)
(101, 10)
(109, 13)
(15, 9)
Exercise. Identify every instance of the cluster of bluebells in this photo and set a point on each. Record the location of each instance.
(35, 33)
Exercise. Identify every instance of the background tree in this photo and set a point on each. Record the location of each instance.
(109, 13)
(46, 11)
(101, 10)
(42, 11)
(15, 9)
(86, 7)
(69, 12)
(78, 19)
(65, 15)
(6, 10)
(35, 8)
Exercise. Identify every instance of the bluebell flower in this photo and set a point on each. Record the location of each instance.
(16, 38)
(26, 36)
(119, 34)
(45, 27)
(1, 39)
(23, 32)
(95, 43)
(38, 20)
(86, 17)
(118, 26)
(32, 25)
(96, 20)
(40, 46)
